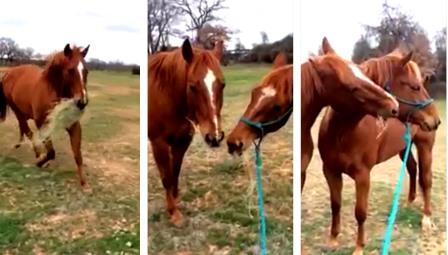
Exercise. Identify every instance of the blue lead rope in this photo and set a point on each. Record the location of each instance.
(259, 167)
(261, 216)
(396, 199)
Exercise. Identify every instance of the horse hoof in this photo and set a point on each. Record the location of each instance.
(358, 251)
(177, 219)
(332, 243)
(411, 198)
(427, 224)
(86, 188)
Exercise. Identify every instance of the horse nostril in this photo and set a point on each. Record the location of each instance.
(394, 112)
(211, 140)
(80, 104)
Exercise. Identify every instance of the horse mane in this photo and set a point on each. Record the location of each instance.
(381, 69)
(171, 68)
(310, 82)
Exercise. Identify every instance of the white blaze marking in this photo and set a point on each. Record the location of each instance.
(360, 75)
(266, 92)
(209, 80)
(80, 71)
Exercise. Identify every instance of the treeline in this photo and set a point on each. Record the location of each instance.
(261, 53)
(12, 54)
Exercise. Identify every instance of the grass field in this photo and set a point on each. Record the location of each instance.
(407, 236)
(45, 211)
(217, 200)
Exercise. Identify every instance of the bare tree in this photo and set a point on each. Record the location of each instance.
(199, 13)
(208, 35)
(441, 55)
(9, 49)
(162, 14)
(264, 37)
(396, 29)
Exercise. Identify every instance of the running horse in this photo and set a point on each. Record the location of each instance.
(33, 92)
(270, 105)
(329, 80)
(185, 91)
(353, 143)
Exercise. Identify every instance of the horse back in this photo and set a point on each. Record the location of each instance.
(21, 87)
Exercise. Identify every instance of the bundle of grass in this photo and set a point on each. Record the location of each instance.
(62, 116)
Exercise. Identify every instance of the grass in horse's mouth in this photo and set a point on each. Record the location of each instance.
(381, 124)
(62, 116)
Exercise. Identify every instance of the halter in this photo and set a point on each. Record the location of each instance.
(262, 125)
(417, 105)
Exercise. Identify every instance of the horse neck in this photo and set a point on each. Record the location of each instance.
(312, 98)
(55, 81)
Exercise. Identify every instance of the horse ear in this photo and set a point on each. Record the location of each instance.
(218, 50)
(85, 50)
(313, 62)
(67, 50)
(280, 60)
(326, 47)
(187, 51)
(406, 59)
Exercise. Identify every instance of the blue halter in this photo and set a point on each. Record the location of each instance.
(262, 125)
(418, 105)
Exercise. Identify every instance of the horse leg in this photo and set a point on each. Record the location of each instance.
(75, 134)
(362, 181)
(334, 181)
(411, 166)
(178, 155)
(162, 155)
(307, 154)
(425, 180)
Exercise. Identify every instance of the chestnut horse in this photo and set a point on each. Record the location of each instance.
(352, 143)
(331, 80)
(270, 105)
(185, 90)
(32, 92)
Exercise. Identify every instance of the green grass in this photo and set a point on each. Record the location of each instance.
(219, 207)
(46, 211)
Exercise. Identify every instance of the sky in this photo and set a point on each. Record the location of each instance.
(342, 21)
(251, 17)
(112, 28)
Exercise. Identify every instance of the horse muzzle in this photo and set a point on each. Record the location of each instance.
(214, 140)
(235, 147)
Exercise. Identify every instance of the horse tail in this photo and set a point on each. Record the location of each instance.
(3, 103)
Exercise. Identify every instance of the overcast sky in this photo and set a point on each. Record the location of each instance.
(251, 17)
(341, 21)
(110, 27)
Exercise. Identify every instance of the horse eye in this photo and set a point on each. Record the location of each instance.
(192, 88)
(415, 88)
